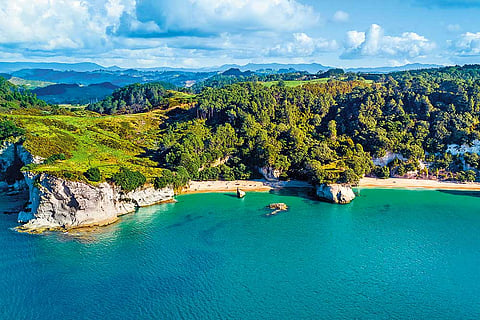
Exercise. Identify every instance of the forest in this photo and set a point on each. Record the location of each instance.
(321, 132)
(330, 132)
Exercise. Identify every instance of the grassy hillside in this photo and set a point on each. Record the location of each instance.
(91, 141)
(138, 98)
(321, 131)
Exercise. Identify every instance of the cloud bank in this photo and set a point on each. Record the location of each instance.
(374, 43)
(208, 32)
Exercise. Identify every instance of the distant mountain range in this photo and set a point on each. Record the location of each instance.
(81, 83)
(10, 67)
(74, 93)
(412, 66)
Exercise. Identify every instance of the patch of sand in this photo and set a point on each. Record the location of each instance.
(245, 185)
(417, 183)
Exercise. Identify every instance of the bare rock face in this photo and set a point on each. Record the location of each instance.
(57, 203)
(12, 157)
(270, 173)
(335, 193)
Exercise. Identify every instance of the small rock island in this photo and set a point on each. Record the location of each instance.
(276, 207)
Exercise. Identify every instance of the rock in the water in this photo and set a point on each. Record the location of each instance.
(278, 206)
(240, 193)
(335, 193)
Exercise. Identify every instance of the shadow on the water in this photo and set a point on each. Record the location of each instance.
(305, 193)
(188, 218)
(462, 193)
(231, 195)
(208, 236)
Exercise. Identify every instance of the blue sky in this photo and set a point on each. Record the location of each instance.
(196, 33)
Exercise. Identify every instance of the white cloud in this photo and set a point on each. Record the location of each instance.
(341, 16)
(468, 44)
(374, 43)
(58, 24)
(302, 45)
(355, 39)
(206, 17)
(157, 30)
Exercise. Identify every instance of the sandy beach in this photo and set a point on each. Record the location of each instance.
(417, 184)
(245, 185)
(265, 186)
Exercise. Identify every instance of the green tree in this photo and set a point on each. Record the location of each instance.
(93, 174)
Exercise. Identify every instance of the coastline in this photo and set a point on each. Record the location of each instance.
(400, 183)
(260, 185)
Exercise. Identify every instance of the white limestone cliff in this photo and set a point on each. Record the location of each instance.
(57, 203)
(269, 173)
(335, 193)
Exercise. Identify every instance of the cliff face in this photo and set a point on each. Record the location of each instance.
(269, 173)
(12, 157)
(335, 193)
(58, 203)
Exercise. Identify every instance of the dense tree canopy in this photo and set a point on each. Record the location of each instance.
(13, 97)
(134, 98)
(320, 131)
(329, 131)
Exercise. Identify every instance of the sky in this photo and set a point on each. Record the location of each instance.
(201, 33)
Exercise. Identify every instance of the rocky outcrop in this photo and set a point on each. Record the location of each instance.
(12, 157)
(270, 173)
(56, 203)
(61, 204)
(335, 193)
(387, 158)
(456, 149)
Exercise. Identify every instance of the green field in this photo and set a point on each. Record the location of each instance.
(89, 140)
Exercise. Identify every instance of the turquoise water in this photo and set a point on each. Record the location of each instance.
(389, 254)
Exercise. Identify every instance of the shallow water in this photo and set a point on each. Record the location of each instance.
(389, 254)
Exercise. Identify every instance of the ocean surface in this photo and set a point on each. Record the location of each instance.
(391, 254)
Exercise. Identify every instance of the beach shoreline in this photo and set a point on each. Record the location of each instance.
(400, 183)
(262, 185)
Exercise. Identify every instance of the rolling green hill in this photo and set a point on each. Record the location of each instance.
(320, 131)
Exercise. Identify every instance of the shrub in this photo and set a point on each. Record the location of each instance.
(209, 174)
(182, 178)
(9, 129)
(93, 174)
(55, 157)
(349, 176)
(382, 172)
(227, 173)
(129, 180)
(166, 179)
(68, 175)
